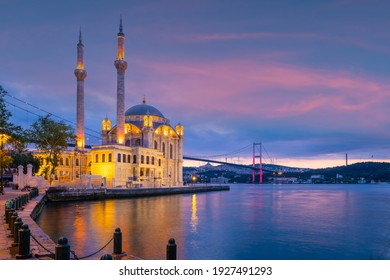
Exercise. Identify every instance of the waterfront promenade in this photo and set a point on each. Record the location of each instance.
(7, 252)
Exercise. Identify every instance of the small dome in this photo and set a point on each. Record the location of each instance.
(142, 110)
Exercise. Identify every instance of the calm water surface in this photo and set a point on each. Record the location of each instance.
(247, 222)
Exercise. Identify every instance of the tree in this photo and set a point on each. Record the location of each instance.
(6, 127)
(8, 133)
(52, 138)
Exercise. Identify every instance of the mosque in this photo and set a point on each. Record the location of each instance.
(141, 150)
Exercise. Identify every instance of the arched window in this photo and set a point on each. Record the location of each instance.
(163, 148)
(128, 142)
(147, 159)
(67, 162)
(119, 157)
(124, 158)
(77, 162)
(97, 158)
(142, 159)
(170, 151)
(159, 162)
(129, 159)
(134, 159)
(109, 157)
(61, 161)
(153, 160)
(103, 157)
(155, 145)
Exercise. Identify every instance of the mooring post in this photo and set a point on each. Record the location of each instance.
(117, 241)
(10, 213)
(17, 203)
(17, 225)
(24, 243)
(171, 249)
(106, 257)
(62, 249)
(11, 223)
(6, 213)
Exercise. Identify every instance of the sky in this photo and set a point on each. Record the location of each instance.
(307, 79)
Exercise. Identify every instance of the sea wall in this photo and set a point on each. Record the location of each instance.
(73, 194)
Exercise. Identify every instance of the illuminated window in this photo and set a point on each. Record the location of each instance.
(109, 157)
(141, 173)
(97, 158)
(103, 157)
(119, 157)
(147, 159)
(142, 159)
(134, 159)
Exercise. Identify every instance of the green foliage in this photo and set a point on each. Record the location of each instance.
(6, 127)
(24, 159)
(51, 137)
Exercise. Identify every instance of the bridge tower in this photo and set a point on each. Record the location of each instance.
(257, 154)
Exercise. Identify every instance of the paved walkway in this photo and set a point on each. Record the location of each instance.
(5, 241)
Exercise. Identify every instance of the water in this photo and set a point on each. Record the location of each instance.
(328, 222)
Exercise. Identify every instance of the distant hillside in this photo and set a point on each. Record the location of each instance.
(377, 171)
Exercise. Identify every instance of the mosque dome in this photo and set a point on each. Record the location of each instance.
(142, 110)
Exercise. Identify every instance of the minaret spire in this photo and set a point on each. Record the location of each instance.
(121, 66)
(80, 39)
(121, 27)
(80, 74)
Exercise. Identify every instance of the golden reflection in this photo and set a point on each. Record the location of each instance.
(194, 214)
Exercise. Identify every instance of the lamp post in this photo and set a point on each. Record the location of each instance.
(3, 139)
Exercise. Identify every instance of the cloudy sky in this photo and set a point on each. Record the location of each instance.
(308, 79)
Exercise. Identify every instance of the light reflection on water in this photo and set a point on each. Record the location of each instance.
(247, 222)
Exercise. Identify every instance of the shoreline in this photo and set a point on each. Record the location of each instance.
(34, 207)
(62, 194)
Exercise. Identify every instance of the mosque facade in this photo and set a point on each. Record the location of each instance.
(141, 150)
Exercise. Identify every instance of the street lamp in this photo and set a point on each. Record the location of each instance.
(193, 179)
(3, 140)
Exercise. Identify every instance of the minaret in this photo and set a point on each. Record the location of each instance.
(80, 74)
(121, 66)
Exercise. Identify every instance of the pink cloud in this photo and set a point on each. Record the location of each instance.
(268, 90)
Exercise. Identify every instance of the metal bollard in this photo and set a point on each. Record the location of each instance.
(62, 249)
(117, 241)
(11, 223)
(18, 204)
(10, 213)
(17, 225)
(106, 257)
(171, 249)
(24, 243)
(6, 214)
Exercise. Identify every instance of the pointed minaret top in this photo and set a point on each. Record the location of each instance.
(121, 28)
(144, 100)
(80, 40)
